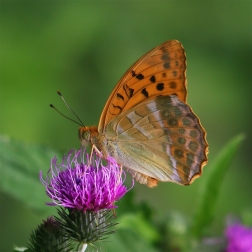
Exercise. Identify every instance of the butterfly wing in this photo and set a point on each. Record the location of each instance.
(159, 71)
(160, 138)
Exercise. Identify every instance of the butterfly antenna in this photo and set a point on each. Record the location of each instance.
(79, 123)
(82, 124)
(65, 115)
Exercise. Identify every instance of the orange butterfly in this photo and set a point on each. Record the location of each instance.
(146, 125)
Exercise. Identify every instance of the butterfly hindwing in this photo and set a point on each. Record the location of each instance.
(160, 138)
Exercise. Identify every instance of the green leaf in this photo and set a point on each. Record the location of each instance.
(211, 188)
(20, 164)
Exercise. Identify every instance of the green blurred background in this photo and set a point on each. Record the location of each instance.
(82, 48)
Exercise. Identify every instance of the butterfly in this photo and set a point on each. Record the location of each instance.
(146, 124)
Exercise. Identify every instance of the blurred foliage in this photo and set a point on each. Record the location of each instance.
(83, 47)
(212, 186)
(19, 166)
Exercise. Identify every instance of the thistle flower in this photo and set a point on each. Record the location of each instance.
(239, 238)
(75, 184)
(86, 191)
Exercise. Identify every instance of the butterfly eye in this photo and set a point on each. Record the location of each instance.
(84, 136)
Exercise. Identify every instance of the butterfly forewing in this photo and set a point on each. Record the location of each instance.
(160, 138)
(160, 71)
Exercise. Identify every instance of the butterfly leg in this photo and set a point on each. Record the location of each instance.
(119, 176)
(99, 153)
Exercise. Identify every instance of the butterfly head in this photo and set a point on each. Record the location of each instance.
(86, 133)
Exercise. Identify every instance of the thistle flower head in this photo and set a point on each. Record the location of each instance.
(86, 190)
(239, 238)
(86, 187)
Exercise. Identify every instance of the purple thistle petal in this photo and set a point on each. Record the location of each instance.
(239, 238)
(74, 184)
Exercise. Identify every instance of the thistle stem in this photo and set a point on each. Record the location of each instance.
(83, 248)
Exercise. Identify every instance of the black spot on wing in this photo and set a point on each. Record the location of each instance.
(138, 76)
(181, 131)
(181, 140)
(133, 73)
(145, 93)
(166, 64)
(193, 146)
(173, 85)
(193, 133)
(117, 107)
(165, 56)
(119, 96)
(175, 73)
(153, 79)
(186, 122)
(160, 86)
(173, 122)
(179, 153)
(128, 91)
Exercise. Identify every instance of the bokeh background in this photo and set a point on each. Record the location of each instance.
(82, 48)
